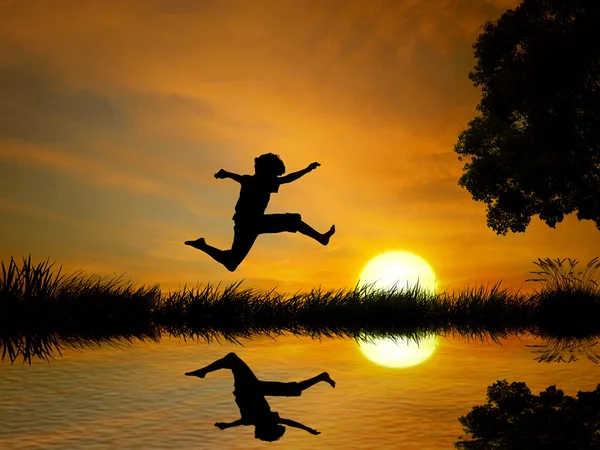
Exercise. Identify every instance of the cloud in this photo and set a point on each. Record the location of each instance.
(36, 108)
(87, 169)
(12, 206)
(370, 62)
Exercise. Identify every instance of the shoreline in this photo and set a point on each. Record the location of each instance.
(40, 308)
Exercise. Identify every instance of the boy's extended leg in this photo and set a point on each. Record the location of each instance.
(221, 256)
(230, 361)
(231, 259)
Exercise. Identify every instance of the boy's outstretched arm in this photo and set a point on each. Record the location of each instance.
(295, 175)
(293, 423)
(224, 174)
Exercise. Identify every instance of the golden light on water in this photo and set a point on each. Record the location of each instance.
(398, 353)
(401, 270)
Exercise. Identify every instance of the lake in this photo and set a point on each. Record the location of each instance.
(136, 395)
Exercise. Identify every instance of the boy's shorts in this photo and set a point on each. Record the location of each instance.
(247, 384)
(280, 389)
(247, 230)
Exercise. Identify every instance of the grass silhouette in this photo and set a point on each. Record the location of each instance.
(43, 310)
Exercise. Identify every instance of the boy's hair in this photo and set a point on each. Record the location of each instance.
(269, 164)
(269, 433)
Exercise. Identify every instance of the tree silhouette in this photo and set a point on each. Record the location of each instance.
(514, 418)
(535, 147)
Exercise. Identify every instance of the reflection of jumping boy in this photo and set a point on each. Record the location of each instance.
(250, 393)
(250, 219)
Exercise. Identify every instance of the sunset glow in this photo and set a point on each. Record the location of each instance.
(362, 224)
(398, 353)
(114, 116)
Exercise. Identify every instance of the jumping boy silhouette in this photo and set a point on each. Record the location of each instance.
(250, 219)
(250, 394)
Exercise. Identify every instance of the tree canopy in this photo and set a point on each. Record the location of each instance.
(534, 149)
(514, 418)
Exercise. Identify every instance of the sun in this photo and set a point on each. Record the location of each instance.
(398, 269)
(401, 270)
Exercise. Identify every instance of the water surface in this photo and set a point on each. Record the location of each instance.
(136, 396)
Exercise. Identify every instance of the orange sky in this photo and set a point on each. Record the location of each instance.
(114, 116)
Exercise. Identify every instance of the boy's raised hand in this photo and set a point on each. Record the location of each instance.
(313, 166)
(220, 174)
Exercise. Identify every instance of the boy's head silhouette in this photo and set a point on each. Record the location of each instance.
(269, 432)
(269, 165)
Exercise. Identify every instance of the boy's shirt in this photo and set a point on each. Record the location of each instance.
(254, 408)
(255, 193)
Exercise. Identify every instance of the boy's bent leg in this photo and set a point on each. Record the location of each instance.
(322, 238)
(314, 380)
(293, 389)
(292, 222)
